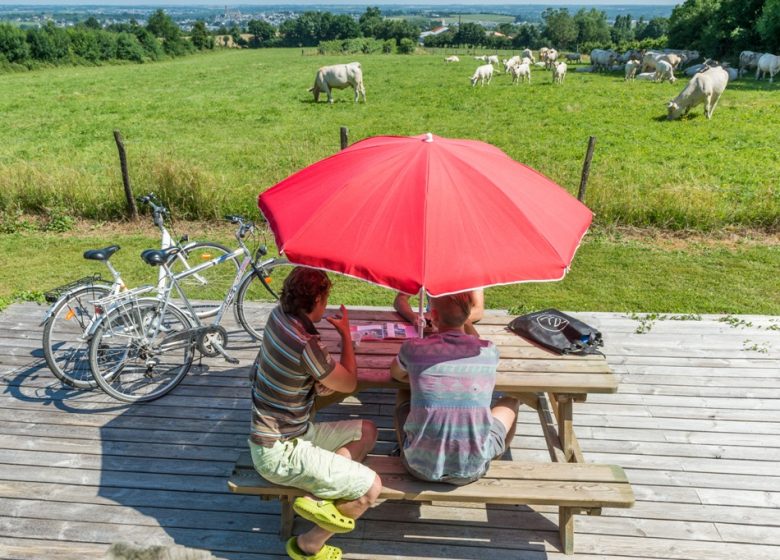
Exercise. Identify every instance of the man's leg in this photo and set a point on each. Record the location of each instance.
(315, 538)
(358, 449)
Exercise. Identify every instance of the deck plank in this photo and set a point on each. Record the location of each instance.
(695, 424)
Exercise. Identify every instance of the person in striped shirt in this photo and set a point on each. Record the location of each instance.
(445, 425)
(323, 458)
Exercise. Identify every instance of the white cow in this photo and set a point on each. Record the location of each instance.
(664, 71)
(482, 58)
(601, 59)
(550, 58)
(705, 87)
(492, 59)
(559, 72)
(339, 76)
(520, 72)
(649, 60)
(452, 58)
(748, 60)
(649, 76)
(672, 59)
(482, 74)
(511, 62)
(527, 53)
(631, 69)
(768, 63)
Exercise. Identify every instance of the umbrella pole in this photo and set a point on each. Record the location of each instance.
(421, 316)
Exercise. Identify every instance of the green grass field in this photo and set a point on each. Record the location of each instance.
(609, 273)
(209, 132)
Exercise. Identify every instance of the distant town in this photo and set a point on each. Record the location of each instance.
(219, 18)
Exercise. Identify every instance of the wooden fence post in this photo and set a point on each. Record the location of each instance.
(586, 168)
(120, 145)
(344, 134)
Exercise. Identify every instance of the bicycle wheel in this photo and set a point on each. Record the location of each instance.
(255, 291)
(206, 289)
(64, 347)
(140, 351)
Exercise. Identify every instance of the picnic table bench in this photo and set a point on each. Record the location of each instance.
(548, 383)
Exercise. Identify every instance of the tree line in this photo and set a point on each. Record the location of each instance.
(724, 28)
(89, 43)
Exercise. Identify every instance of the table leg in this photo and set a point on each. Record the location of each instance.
(566, 528)
(288, 516)
(566, 424)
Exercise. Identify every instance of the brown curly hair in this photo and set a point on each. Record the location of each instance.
(301, 289)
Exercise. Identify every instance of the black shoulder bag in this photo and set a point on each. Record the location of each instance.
(558, 332)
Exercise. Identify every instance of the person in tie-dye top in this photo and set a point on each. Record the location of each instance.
(446, 428)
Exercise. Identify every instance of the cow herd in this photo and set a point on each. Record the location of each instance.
(707, 81)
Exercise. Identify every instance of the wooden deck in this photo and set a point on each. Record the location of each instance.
(695, 424)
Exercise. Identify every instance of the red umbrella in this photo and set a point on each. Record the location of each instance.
(426, 213)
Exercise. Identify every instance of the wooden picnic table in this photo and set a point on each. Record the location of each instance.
(547, 382)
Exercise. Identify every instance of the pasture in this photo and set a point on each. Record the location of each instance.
(209, 132)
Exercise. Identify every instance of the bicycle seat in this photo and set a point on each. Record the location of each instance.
(101, 254)
(156, 257)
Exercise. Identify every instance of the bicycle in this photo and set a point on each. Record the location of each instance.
(72, 311)
(142, 347)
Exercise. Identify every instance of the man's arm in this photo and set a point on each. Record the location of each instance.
(477, 305)
(401, 305)
(343, 378)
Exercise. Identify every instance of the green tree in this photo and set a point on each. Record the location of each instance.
(49, 43)
(470, 34)
(84, 43)
(622, 31)
(200, 36)
(343, 27)
(92, 23)
(162, 25)
(768, 25)
(654, 29)
(528, 36)
(559, 28)
(592, 27)
(13, 43)
(370, 21)
(262, 32)
(128, 48)
(688, 22)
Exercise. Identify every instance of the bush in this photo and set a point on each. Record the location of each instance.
(359, 45)
(406, 46)
(388, 46)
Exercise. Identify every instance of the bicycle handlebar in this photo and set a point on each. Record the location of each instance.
(244, 226)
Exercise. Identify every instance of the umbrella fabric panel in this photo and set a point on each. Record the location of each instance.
(450, 215)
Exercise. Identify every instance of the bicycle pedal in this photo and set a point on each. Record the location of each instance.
(231, 360)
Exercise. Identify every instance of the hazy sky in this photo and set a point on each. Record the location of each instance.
(339, 2)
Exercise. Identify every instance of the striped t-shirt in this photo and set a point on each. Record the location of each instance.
(451, 378)
(290, 361)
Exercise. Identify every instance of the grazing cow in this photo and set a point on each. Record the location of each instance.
(705, 87)
(768, 63)
(559, 72)
(520, 72)
(664, 71)
(630, 54)
(483, 58)
(511, 62)
(631, 68)
(482, 74)
(748, 60)
(649, 60)
(671, 58)
(452, 58)
(339, 76)
(527, 53)
(574, 57)
(492, 59)
(550, 58)
(602, 59)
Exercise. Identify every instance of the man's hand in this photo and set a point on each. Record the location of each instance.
(322, 390)
(341, 322)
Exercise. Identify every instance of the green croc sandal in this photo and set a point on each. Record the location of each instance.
(327, 552)
(323, 514)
